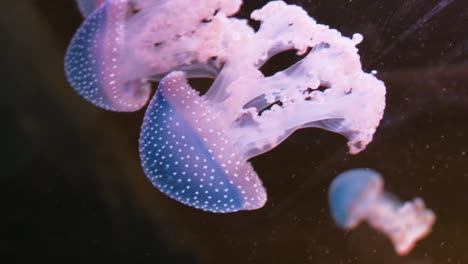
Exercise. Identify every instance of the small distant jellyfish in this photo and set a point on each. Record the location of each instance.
(357, 195)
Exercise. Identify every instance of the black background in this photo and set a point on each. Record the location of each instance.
(73, 191)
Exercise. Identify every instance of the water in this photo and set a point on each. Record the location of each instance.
(75, 191)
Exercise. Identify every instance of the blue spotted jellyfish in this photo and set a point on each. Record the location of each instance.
(357, 195)
(195, 148)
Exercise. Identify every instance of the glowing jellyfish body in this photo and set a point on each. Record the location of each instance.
(95, 66)
(187, 155)
(357, 195)
(196, 148)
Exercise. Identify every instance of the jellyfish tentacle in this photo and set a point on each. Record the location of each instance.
(351, 104)
(404, 223)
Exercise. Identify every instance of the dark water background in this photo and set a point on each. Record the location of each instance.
(73, 191)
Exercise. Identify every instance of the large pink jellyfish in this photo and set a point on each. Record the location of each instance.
(195, 148)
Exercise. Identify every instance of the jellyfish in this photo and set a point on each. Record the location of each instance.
(357, 195)
(123, 45)
(195, 148)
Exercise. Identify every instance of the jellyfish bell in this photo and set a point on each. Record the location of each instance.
(187, 154)
(95, 65)
(350, 195)
(88, 6)
(357, 195)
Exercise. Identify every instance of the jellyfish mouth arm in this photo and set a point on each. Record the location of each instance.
(160, 38)
(404, 223)
(352, 103)
(264, 111)
(294, 29)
